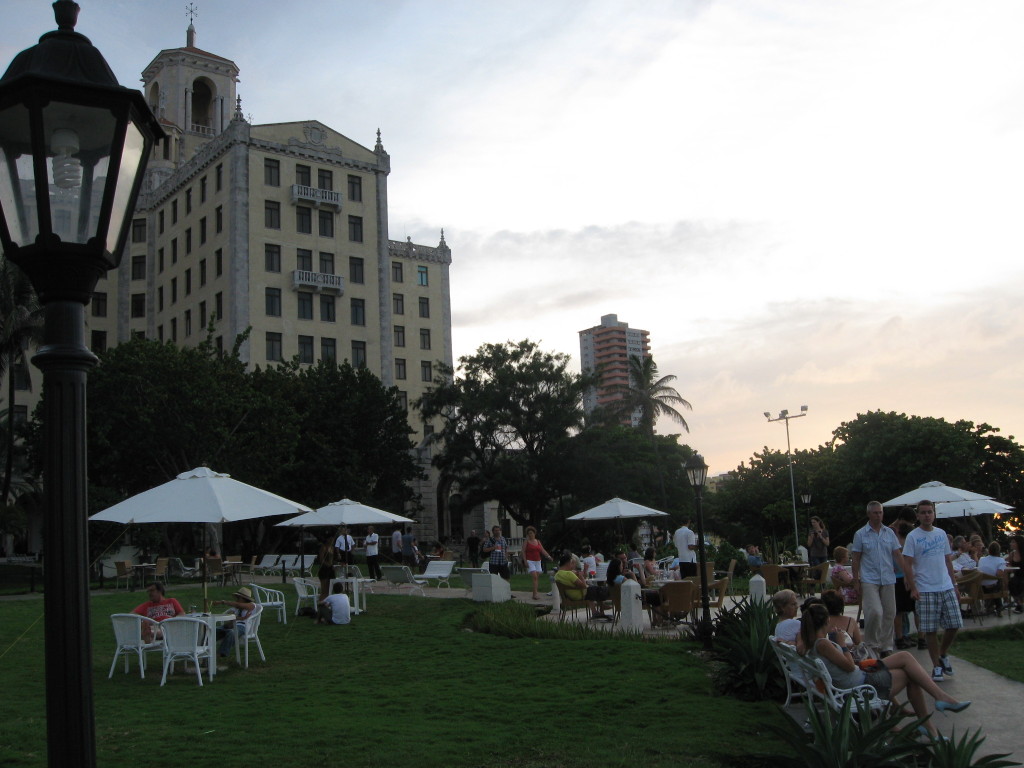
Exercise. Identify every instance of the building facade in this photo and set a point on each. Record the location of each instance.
(606, 348)
(281, 229)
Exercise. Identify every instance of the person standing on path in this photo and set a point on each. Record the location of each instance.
(817, 543)
(876, 558)
(496, 549)
(533, 551)
(396, 545)
(372, 543)
(929, 575)
(686, 543)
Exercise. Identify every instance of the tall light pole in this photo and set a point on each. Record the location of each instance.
(784, 416)
(74, 146)
(697, 472)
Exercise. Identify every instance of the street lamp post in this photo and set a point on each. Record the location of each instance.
(784, 416)
(697, 472)
(73, 150)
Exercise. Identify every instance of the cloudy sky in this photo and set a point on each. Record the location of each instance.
(806, 202)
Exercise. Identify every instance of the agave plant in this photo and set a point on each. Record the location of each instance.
(959, 753)
(745, 665)
(854, 738)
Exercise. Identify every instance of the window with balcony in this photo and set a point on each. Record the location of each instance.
(324, 178)
(271, 172)
(305, 305)
(327, 308)
(358, 310)
(302, 175)
(304, 259)
(273, 302)
(327, 263)
(355, 269)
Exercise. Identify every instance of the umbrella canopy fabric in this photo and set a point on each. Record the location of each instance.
(615, 509)
(199, 496)
(937, 492)
(346, 512)
(968, 508)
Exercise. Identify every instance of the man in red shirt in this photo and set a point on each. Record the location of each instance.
(157, 608)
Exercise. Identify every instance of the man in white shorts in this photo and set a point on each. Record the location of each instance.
(929, 576)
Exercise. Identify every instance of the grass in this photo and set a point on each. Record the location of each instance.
(406, 685)
(996, 649)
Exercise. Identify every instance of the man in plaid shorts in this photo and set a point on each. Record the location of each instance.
(929, 576)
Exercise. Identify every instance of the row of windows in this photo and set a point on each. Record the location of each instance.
(398, 305)
(219, 185)
(304, 178)
(426, 370)
(304, 221)
(398, 273)
(203, 316)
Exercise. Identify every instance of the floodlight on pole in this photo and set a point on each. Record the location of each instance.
(784, 416)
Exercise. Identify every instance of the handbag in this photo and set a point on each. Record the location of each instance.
(862, 652)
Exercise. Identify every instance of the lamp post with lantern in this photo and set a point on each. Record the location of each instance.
(73, 150)
(697, 472)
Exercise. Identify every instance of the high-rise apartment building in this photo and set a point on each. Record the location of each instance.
(279, 228)
(606, 348)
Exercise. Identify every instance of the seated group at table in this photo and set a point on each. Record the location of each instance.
(242, 607)
(157, 608)
(578, 589)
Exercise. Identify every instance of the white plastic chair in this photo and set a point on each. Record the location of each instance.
(186, 572)
(271, 598)
(251, 635)
(186, 639)
(268, 564)
(439, 570)
(128, 635)
(399, 575)
(306, 590)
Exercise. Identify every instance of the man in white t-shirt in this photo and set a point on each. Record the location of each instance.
(686, 542)
(993, 567)
(372, 543)
(396, 545)
(335, 608)
(929, 577)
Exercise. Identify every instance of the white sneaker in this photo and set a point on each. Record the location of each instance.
(947, 668)
(937, 674)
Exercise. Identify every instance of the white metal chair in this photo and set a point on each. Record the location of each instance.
(128, 635)
(398, 576)
(797, 682)
(814, 676)
(354, 572)
(185, 571)
(438, 570)
(251, 635)
(187, 639)
(306, 590)
(272, 599)
(267, 564)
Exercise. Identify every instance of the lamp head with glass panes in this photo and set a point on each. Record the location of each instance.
(73, 151)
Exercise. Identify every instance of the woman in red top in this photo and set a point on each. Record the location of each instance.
(533, 551)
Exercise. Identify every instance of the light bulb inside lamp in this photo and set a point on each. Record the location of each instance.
(67, 170)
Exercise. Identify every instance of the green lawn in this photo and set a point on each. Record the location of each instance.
(997, 649)
(406, 685)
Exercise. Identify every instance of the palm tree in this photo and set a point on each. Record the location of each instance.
(652, 397)
(21, 322)
(649, 395)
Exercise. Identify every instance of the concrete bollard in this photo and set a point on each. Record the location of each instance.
(631, 619)
(758, 593)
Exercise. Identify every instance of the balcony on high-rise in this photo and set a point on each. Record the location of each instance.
(325, 198)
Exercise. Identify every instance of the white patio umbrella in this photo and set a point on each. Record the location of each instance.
(346, 512)
(616, 509)
(950, 501)
(199, 496)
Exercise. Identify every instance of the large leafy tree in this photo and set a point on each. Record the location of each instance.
(21, 323)
(506, 417)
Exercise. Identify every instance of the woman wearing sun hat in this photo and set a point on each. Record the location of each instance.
(242, 607)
